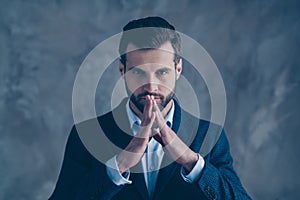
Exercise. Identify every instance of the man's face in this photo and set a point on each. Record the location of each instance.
(151, 72)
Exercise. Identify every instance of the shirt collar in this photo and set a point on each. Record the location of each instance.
(133, 118)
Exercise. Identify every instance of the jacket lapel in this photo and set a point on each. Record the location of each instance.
(116, 126)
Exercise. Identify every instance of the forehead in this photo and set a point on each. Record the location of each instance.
(163, 55)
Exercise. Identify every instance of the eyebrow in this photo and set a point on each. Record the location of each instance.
(132, 67)
(163, 68)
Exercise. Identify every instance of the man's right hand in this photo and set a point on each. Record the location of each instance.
(134, 151)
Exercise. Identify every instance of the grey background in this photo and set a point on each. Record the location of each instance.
(255, 44)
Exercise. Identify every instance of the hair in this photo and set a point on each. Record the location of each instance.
(156, 32)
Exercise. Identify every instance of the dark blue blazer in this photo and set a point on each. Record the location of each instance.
(82, 176)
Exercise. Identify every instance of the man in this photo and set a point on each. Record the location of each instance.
(159, 141)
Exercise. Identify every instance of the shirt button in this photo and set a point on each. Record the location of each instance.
(169, 124)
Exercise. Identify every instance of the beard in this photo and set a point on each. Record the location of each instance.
(139, 99)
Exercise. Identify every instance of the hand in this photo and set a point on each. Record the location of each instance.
(134, 151)
(174, 147)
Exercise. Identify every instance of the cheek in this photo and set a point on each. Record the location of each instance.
(133, 85)
(166, 89)
(169, 84)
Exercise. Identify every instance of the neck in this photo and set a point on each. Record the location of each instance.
(136, 111)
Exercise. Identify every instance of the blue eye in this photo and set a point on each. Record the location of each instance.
(137, 71)
(162, 72)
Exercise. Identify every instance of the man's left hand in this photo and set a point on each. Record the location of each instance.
(174, 146)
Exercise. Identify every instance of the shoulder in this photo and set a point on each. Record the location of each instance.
(117, 113)
(187, 118)
(202, 125)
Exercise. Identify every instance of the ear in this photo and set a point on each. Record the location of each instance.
(178, 69)
(121, 68)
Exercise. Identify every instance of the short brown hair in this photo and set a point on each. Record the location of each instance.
(162, 32)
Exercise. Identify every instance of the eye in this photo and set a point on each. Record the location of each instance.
(162, 72)
(137, 71)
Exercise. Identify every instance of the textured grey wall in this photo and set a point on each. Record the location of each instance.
(254, 43)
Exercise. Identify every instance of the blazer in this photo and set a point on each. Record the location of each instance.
(82, 176)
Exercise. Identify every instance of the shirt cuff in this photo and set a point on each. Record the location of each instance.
(114, 174)
(195, 173)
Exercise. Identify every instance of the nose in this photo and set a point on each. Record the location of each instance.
(151, 84)
(151, 87)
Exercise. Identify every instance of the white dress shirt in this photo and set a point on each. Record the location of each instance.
(151, 159)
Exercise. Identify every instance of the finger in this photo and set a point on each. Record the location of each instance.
(145, 131)
(155, 106)
(150, 111)
(148, 107)
(147, 114)
(160, 120)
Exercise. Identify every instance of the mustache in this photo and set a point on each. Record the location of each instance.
(144, 94)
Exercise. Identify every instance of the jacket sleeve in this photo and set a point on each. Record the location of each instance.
(81, 175)
(218, 179)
